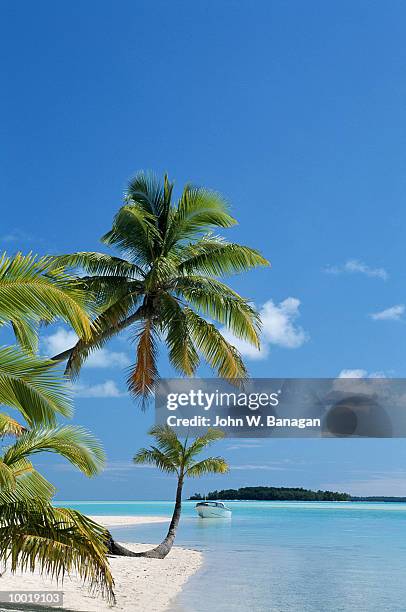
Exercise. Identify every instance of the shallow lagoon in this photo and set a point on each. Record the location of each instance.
(285, 556)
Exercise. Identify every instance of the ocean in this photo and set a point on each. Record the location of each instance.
(284, 556)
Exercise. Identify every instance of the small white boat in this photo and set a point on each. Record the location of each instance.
(207, 509)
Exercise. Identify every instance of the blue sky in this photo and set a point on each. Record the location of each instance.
(295, 111)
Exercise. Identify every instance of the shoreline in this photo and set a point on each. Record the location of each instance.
(140, 584)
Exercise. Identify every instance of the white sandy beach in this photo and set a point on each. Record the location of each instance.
(117, 521)
(140, 584)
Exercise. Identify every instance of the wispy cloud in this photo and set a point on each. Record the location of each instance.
(394, 313)
(125, 466)
(101, 390)
(360, 373)
(244, 445)
(379, 483)
(354, 266)
(273, 466)
(259, 466)
(63, 339)
(17, 235)
(279, 328)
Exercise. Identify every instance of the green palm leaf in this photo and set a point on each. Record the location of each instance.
(32, 385)
(58, 541)
(74, 443)
(197, 210)
(33, 289)
(212, 465)
(220, 354)
(153, 456)
(214, 256)
(216, 300)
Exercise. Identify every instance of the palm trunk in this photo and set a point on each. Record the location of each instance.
(165, 546)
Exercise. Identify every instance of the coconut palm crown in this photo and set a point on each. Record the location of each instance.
(166, 283)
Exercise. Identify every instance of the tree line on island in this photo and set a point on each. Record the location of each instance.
(289, 494)
(274, 494)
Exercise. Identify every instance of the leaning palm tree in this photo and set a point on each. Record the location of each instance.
(173, 457)
(165, 284)
(32, 532)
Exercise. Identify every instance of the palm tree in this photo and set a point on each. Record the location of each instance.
(33, 532)
(165, 283)
(173, 457)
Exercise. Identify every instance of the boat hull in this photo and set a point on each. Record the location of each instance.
(208, 512)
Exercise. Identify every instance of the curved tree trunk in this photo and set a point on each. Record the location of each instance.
(160, 551)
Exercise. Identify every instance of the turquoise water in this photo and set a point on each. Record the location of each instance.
(285, 556)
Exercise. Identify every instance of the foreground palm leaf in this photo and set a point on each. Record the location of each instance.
(165, 283)
(172, 457)
(32, 532)
(33, 289)
(58, 541)
(33, 386)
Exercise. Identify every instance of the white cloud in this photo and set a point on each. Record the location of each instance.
(354, 266)
(394, 313)
(279, 323)
(105, 389)
(359, 373)
(279, 328)
(242, 445)
(253, 466)
(353, 374)
(63, 339)
(125, 466)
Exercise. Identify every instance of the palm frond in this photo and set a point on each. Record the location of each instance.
(167, 441)
(201, 442)
(74, 443)
(214, 256)
(219, 302)
(197, 210)
(98, 264)
(24, 483)
(57, 541)
(9, 426)
(153, 456)
(145, 190)
(220, 354)
(32, 385)
(32, 288)
(211, 465)
(143, 375)
(26, 334)
(135, 231)
(182, 353)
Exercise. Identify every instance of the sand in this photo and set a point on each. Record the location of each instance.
(116, 521)
(140, 584)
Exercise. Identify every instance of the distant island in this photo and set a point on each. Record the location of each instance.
(274, 494)
(289, 494)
